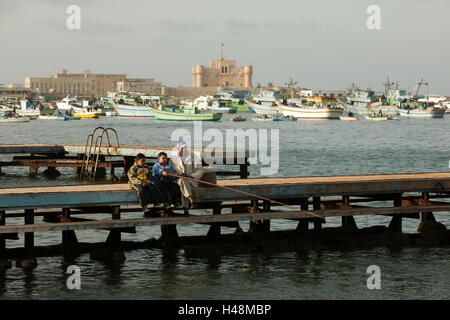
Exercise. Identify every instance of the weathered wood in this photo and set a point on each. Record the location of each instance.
(317, 221)
(115, 236)
(302, 226)
(69, 238)
(214, 229)
(396, 222)
(215, 218)
(348, 221)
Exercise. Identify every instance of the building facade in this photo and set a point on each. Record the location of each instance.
(148, 86)
(222, 73)
(84, 84)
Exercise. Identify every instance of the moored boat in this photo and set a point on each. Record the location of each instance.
(238, 119)
(222, 106)
(175, 114)
(14, 119)
(347, 118)
(320, 108)
(134, 111)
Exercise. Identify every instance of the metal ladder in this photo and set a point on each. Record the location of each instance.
(92, 151)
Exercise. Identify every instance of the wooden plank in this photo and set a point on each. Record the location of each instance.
(215, 218)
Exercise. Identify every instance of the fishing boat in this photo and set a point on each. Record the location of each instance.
(363, 102)
(238, 119)
(66, 103)
(87, 114)
(264, 107)
(28, 110)
(320, 108)
(180, 114)
(134, 111)
(262, 118)
(348, 118)
(283, 118)
(48, 117)
(14, 119)
(67, 118)
(376, 118)
(222, 106)
(429, 112)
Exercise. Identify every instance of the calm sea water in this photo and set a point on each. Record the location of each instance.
(306, 148)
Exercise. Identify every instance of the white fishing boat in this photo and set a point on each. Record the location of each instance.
(67, 103)
(430, 112)
(320, 108)
(28, 110)
(134, 111)
(14, 119)
(264, 107)
(48, 117)
(222, 106)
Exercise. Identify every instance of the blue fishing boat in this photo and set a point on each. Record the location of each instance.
(364, 102)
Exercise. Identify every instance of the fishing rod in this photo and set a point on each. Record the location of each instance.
(243, 192)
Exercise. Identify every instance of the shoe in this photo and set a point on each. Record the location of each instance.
(171, 205)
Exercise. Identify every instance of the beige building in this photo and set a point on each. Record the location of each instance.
(15, 92)
(148, 86)
(222, 73)
(84, 84)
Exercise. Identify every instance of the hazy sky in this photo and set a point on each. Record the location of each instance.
(319, 43)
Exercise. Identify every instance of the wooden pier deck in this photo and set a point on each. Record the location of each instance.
(414, 196)
(71, 155)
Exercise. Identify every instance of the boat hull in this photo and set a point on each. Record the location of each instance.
(312, 112)
(181, 116)
(365, 110)
(436, 113)
(141, 111)
(222, 110)
(264, 109)
(14, 120)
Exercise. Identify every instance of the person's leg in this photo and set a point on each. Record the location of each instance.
(164, 192)
(175, 193)
(154, 194)
(142, 194)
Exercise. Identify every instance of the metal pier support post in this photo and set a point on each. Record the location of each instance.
(214, 229)
(427, 216)
(115, 236)
(69, 237)
(317, 221)
(29, 236)
(348, 221)
(396, 222)
(302, 226)
(28, 261)
(266, 223)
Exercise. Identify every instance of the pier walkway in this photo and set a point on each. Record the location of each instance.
(414, 196)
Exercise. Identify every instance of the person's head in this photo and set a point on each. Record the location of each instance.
(181, 146)
(140, 159)
(162, 157)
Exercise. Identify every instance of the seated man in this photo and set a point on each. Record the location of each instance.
(187, 164)
(170, 191)
(140, 179)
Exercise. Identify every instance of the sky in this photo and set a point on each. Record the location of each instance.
(321, 44)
